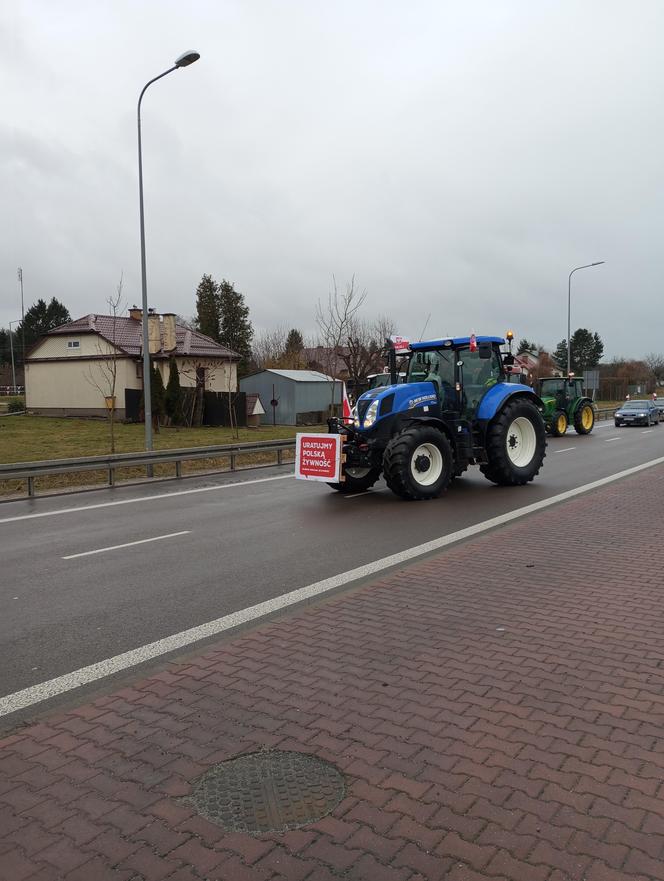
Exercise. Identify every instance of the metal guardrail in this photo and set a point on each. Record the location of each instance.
(29, 471)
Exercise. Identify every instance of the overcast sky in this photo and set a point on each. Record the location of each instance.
(458, 157)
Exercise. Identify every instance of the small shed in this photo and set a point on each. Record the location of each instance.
(255, 410)
(294, 397)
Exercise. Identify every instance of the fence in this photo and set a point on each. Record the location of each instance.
(8, 390)
(29, 471)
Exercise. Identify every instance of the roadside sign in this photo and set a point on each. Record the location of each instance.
(318, 457)
(400, 343)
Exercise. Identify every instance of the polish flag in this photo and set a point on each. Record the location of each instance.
(346, 411)
(473, 343)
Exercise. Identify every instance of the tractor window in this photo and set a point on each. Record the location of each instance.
(434, 366)
(477, 375)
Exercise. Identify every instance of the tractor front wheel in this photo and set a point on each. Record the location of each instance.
(559, 423)
(418, 463)
(584, 419)
(516, 445)
(357, 480)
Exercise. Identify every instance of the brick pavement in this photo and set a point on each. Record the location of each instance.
(497, 711)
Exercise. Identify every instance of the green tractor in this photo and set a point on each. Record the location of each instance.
(565, 404)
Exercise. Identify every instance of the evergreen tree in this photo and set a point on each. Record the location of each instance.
(527, 346)
(294, 342)
(158, 393)
(40, 318)
(208, 319)
(586, 350)
(236, 332)
(173, 394)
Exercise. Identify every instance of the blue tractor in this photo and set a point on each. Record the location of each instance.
(455, 408)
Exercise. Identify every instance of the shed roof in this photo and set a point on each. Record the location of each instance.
(302, 375)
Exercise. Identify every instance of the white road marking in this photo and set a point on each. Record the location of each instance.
(127, 544)
(35, 694)
(180, 492)
(565, 450)
(647, 431)
(357, 495)
(609, 439)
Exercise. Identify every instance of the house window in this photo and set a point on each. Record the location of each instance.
(139, 370)
(200, 377)
(73, 346)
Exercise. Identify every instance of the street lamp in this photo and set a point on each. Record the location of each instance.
(184, 60)
(11, 349)
(569, 300)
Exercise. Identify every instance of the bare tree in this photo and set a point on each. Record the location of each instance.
(102, 374)
(268, 348)
(334, 320)
(656, 363)
(365, 344)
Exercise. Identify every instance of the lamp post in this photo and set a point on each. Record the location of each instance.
(11, 349)
(569, 301)
(184, 60)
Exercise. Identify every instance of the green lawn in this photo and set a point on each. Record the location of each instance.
(37, 438)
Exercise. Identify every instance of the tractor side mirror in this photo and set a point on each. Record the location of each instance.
(485, 350)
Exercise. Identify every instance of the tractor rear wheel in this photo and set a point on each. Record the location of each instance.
(515, 445)
(418, 463)
(584, 419)
(357, 480)
(559, 423)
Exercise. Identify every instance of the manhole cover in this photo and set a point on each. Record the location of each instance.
(268, 791)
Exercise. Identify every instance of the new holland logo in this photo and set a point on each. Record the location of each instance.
(414, 402)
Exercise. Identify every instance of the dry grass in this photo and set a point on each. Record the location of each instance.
(40, 438)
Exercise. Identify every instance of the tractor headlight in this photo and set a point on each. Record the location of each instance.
(372, 414)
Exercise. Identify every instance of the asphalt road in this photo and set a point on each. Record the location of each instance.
(243, 543)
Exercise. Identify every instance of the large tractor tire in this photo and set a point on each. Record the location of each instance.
(418, 463)
(516, 445)
(357, 480)
(559, 423)
(584, 418)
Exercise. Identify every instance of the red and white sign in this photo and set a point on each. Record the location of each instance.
(400, 343)
(318, 457)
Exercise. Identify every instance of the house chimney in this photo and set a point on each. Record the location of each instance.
(154, 333)
(169, 331)
(136, 313)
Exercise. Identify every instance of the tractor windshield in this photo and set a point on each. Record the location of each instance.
(551, 386)
(435, 365)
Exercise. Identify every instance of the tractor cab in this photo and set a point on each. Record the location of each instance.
(462, 370)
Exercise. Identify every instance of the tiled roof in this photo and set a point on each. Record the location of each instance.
(127, 334)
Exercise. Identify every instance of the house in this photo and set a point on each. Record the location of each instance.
(68, 369)
(293, 397)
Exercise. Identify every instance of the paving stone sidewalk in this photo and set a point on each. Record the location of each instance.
(497, 712)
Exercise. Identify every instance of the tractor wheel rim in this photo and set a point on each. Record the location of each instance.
(562, 424)
(521, 442)
(357, 473)
(426, 464)
(587, 417)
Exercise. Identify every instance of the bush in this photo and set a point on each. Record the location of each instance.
(16, 405)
